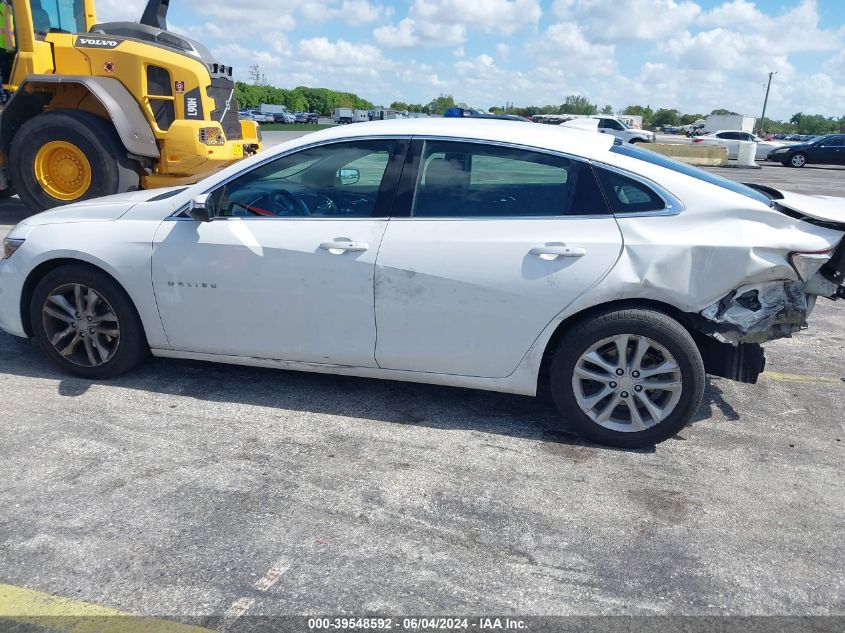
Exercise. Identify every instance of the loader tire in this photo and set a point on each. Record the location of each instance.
(67, 156)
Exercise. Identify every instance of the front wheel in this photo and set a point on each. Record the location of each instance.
(66, 156)
(798, 160)
(86, 323)
(628, 378)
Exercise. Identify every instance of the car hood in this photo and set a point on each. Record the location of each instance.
(828, 209)
(104, 209)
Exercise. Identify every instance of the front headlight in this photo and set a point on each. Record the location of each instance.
(780, 150)
(10, 246)
(212, 136)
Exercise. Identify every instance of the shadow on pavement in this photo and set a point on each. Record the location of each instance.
(445, 408)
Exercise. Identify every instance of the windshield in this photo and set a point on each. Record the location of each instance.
(63, 16)
(663, 161)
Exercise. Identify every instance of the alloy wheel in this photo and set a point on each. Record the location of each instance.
(798, 160)
(627, 383)
(81, 325)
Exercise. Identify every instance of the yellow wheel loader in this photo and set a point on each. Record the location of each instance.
(96, 109)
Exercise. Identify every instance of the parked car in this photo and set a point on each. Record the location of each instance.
(284, 117)
(261, 117)
(312, 117)
(522, 258)
(244, 115)
(301, 117)
(731, 140)
(823, 150)
(626, 134)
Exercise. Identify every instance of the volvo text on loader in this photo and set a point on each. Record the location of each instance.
(96, 109)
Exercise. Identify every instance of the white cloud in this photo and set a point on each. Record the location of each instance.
(797, 30)
(623, 20)
(341, 53)
(446, 22)
(503, 50)
(564, 48)
(409, 33)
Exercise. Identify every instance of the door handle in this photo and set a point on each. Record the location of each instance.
(553, 251)
(343, 245)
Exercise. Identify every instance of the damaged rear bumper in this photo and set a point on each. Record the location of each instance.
(730, 331)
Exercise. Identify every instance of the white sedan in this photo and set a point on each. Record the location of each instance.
(731, 140)
(493, 255)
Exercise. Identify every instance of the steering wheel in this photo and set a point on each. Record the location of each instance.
(276, 204)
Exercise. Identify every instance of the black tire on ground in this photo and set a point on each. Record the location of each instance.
(112, 171)
(657, 326)
(797, 160)
(132, 348)
(634, 141)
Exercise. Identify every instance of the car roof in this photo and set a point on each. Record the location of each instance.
(554, 138)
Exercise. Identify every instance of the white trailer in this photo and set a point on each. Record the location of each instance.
(360, 116)
(268, 108)
(343, 115)
(733, 122)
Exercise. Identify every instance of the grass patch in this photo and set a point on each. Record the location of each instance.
(292, 127)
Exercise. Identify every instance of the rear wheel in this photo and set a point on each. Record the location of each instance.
(798, 160)
(66, 156)
(86, 323)
(629, 378)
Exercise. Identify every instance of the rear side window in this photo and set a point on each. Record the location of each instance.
(473, 180)
(688, 170)
(627, 195)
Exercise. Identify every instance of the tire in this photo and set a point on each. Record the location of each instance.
(111, 170)
(668, 341)
(126, 350)
(798, 160)
(634, 141)
(7, 193)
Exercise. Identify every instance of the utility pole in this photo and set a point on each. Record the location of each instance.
(766, 102)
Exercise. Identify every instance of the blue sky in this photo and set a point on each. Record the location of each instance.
(694, 55)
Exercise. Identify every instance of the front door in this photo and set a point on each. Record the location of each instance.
(497, 242)
(285, 270)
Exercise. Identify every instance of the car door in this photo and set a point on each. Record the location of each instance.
(285, 268)
(731, 141)
(828, 151)
(487, 245)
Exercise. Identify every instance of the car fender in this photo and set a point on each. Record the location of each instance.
(97, 244)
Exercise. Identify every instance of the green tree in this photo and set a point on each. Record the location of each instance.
(723, 111)
(576, 104)
(665, 116)
(440, 104)
(645, 112)
(687, 119)
(608, 109)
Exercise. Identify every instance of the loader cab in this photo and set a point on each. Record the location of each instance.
(8, 41)
(58, 16)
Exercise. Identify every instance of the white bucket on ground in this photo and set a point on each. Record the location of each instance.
(747, 154)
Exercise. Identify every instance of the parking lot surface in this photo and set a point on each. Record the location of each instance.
(187, 490)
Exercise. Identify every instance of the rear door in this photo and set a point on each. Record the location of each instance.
(830, 151)
(486, 246)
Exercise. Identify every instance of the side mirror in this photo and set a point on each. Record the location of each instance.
(348, 176)
(198, 208)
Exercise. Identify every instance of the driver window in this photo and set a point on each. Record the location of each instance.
(337, 180)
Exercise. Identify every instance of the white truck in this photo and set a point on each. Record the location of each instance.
(736, 122)
(343, 115)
